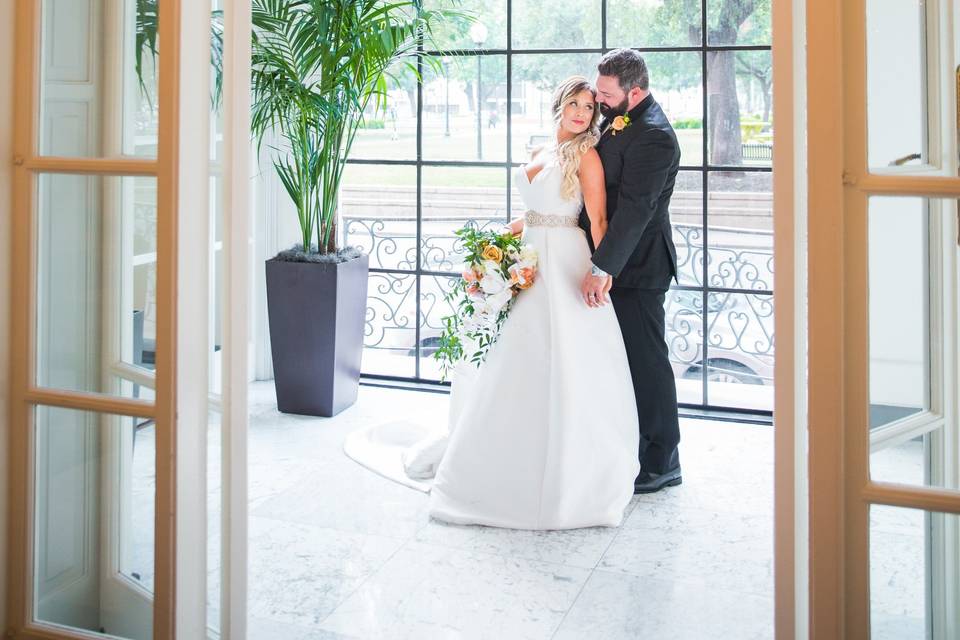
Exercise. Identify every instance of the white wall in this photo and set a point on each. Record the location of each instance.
(897, 244)
(6, 171)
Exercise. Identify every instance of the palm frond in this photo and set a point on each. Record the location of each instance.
(317, 66)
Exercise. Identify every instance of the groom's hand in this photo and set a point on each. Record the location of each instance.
(595, 288)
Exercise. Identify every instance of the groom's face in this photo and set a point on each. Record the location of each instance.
(611, 97)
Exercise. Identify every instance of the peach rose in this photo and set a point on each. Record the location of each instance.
(528, 277)
(492, 252)
(620, 123)
(469, 275)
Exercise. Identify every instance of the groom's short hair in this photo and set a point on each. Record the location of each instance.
(628, 66)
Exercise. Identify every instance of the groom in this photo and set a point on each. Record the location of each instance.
(640, 157)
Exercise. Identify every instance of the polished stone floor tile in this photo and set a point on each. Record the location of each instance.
(426, 591)
(299, 573)
(339, 553)
(615, 606)
(345, 496)
(267, 629)
(575, 548)
(720, 550)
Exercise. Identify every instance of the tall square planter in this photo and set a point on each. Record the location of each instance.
(317, 312)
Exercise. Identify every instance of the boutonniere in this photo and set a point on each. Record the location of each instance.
(620, 123)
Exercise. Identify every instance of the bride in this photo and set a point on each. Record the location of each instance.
(543, 435)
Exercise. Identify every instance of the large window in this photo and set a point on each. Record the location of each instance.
(442, 151)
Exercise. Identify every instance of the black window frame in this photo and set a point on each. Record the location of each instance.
(705, 169)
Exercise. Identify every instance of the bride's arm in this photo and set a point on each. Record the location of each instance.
(594, 194)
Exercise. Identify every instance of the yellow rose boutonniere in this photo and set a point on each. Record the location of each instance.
(620, 123)
(493, 252)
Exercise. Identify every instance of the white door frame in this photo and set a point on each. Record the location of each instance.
(789, 192)
(839, 184)
(179, 409)
(238, 174)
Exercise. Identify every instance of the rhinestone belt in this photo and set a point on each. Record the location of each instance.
(534, 219)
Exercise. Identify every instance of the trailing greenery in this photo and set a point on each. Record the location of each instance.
(497, 266)
(317, 66)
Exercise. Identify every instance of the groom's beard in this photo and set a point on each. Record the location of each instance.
(612, 112)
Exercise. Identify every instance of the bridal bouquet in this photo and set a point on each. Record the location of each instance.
(496, 268)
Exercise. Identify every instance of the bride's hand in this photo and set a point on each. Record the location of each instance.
(594, 289)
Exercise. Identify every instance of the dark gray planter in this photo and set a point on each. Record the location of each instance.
(317, 312)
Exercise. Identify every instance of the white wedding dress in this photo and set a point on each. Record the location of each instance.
(543, 435)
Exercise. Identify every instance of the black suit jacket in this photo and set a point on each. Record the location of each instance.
(640, 166)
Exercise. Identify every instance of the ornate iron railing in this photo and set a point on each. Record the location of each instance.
(725, 324)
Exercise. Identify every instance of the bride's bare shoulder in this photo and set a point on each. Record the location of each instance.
(590, 162)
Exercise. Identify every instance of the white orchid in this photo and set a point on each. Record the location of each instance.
(493, 283)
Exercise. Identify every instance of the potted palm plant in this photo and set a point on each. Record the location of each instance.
(317, 66)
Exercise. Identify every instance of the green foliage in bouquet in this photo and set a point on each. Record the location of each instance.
(496, 267)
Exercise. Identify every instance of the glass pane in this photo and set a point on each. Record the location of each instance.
(390, 133)
(910, 461)
(452, 196)
(684, 335)
(138, 533)
(96, 98)
(390, 330)
(463, 32)
(96, 279)
(899, 308)
(453, 128)
(896, 128)
(740, 233)
(533, 82)
(378, 205)
(549, 25)
(739, 350)
(433, 308)
(217, 319)
(686, 214)
(214, 522)
(740, 91)
(653, 23)
(911, 559)
(92, 572)
(738, 22)
(676, 80)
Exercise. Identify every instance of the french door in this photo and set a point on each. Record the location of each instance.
(122, 354)
(884, 437)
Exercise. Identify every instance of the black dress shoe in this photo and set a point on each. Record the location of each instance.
(648, 482)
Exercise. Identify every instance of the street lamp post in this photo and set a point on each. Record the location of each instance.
(478, 33)
(446, 108)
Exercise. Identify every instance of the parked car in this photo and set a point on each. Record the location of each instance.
(739, 347)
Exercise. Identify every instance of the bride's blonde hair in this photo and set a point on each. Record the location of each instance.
(570, 152)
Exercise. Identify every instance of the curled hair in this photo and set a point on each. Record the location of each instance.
(570, 152)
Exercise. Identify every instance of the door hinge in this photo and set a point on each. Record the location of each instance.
(849, 178)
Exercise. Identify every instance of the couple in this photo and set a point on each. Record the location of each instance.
(575, 408)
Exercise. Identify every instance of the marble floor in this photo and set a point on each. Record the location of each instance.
(339, 552)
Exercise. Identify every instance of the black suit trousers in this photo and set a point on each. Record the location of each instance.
(641, 316)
